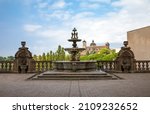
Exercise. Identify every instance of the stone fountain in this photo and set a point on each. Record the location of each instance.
(74, 69)
(74, 65)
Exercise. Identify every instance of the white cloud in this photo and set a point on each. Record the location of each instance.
(42, 4)
(112, 27)
(58, 4)
(89, 5)
(57, 14)
(96, 1)
(52, 33)
(32, 27)
(92, 4)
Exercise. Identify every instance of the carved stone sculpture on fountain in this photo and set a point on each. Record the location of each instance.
(74, 51)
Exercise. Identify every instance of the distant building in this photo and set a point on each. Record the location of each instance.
(93, 48)
(139, 41)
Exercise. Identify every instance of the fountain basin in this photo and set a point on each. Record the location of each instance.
(74, 66)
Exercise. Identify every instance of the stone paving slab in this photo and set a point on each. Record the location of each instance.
(132, 85)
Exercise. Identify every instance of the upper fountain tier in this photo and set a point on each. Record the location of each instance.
(74, 51)
(74, 36)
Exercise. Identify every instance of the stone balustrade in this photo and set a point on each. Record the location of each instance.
(142, 66)
(6, 66)
(42, 66)
(108, 66)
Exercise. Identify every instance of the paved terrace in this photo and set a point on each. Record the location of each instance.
(133, 85)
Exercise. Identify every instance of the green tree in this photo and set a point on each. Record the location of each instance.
(10, 58)
(40, 58)
(104, 54)
(43, 57)
(58, 53)
(1, 58)
(67, 57)
(62, 55)
(54, 57)
(35, 57)
(48, 57)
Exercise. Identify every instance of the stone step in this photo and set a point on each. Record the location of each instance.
(74, 76)
(74, 73)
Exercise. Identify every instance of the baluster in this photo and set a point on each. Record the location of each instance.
(139, 66)
(113, 65)
(38, 66)
(50, 65)
(102, 66)
(4, 67)
(9, 66)
(46, 65)
(110, 64)
(0, 66)
(98, 65)
(106, 66)
(12, 66)
(136, 66)
(143, 66)
(42, 66)
(147, 66)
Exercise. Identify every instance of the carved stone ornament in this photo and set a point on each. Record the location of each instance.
(24, 62)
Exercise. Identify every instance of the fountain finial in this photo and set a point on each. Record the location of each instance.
(74, 34)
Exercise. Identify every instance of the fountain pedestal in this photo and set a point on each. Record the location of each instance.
(74, 66)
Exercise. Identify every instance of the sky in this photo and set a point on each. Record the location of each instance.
(45, 24)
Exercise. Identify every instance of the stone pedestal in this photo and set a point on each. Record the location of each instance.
(74, 66)
(24, 68)
(24, 62)
(125, 59)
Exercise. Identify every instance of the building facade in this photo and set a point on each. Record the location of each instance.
(92, 48)
(139, 41)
